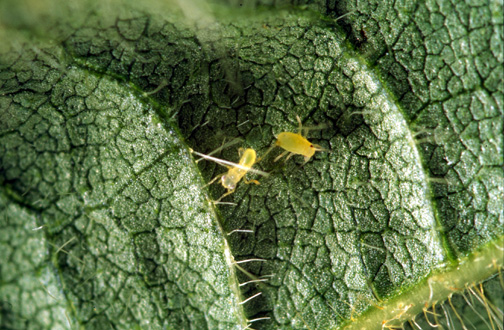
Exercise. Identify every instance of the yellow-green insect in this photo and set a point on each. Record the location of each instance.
(295, 144)
(236, 171)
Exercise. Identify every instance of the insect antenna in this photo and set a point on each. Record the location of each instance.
(224, 146)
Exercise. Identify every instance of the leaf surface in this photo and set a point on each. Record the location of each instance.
(98, 115)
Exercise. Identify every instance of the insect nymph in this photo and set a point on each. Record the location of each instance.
(236, 171)
(295, 144)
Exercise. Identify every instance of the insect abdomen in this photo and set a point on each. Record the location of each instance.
(248, 158)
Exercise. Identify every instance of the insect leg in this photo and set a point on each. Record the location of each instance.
(250, 181)
(281, 155)
(213, 180)
(288, 157)
(267, 152)
(306, 160)
(300, 130)
(226, 194)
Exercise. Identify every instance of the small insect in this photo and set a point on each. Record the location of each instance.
(295, 144)
(236, 172)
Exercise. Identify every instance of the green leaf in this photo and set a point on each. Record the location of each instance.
(120, 205)
(105, 220)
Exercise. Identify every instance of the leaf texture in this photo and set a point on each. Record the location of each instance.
(98, 112)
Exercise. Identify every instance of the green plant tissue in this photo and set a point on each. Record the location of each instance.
(104, 218)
